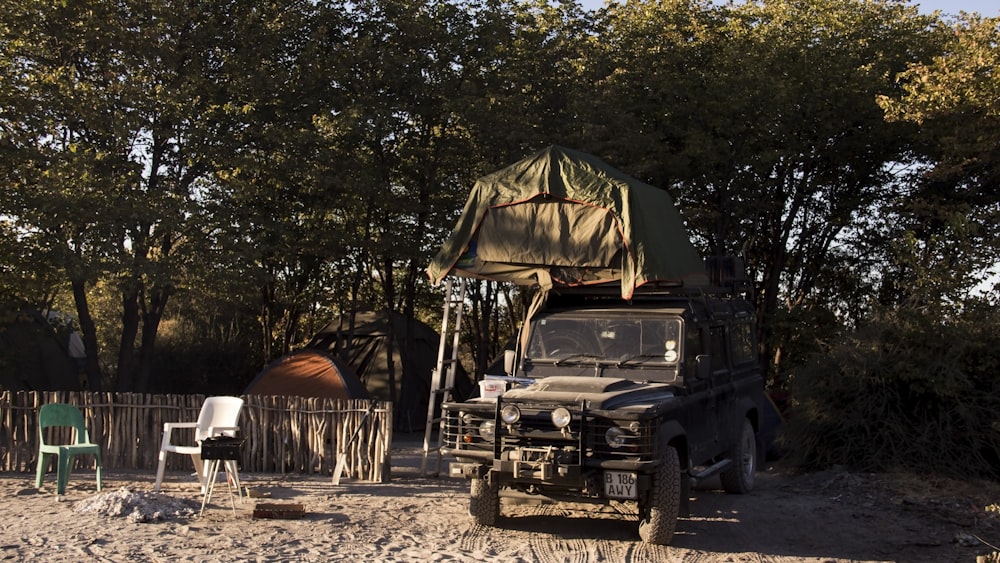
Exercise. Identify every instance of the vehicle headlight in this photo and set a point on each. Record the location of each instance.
(510, 414)
(487, 430)
(561, 417)
(615, 437)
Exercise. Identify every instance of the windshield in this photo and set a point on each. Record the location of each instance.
(622, 339)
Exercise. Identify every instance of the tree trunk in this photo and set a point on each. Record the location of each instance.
(150, 326)
(130, 328)
(92, 368)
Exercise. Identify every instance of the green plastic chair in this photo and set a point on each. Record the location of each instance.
(62, 415)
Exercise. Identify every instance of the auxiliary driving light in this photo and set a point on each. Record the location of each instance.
(487, 430)
(561, 417)
(615, 437)
(510, 414)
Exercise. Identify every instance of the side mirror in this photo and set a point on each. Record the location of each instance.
(509, 357)
(703, 366)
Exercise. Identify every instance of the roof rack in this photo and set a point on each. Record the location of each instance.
(726, 274)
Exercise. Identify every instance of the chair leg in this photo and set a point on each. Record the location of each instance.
(159, 471)
(98, 461)
(201, 470)
(43, 464)
(62, 477)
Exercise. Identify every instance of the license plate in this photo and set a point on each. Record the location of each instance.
(620, 484)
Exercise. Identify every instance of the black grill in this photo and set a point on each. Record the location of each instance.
(584, 439)
(461, 428)
(638, 444)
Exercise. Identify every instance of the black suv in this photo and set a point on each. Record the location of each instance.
(605, 399)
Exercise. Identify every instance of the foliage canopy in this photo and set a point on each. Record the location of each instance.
(206, 184)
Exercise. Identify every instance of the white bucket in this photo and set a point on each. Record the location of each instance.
(491, 388)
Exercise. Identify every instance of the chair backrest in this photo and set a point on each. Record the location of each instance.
(61, 414)
(216, 412)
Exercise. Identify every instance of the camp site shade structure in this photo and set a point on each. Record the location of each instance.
(565, 218)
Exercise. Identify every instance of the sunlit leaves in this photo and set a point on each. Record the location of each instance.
(963, 79)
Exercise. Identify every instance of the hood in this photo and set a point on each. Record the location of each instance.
(603, 393)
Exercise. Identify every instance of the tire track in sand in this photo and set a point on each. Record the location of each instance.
(550, 548)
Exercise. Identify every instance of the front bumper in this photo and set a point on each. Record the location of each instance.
(547, 473)
(532, 455)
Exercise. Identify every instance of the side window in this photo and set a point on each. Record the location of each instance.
(717, 341)
(742, 343)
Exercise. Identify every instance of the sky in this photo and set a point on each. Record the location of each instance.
(985, 7)
(989, 8)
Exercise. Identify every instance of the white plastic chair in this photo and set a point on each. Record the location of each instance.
(218, 417)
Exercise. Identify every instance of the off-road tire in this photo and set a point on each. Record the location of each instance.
(739, 477)
(659, 511)
(484, 502)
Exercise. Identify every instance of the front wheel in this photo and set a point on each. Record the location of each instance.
(484, 502)
(739, 478)
(659, 510)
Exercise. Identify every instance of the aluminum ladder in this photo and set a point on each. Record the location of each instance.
(443, 377)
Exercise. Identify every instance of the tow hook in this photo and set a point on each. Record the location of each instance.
(467, 470)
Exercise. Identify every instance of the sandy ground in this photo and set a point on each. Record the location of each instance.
(825, 517)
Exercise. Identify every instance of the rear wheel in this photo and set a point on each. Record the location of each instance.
(739, 478)
(660, 508)
(484, 502)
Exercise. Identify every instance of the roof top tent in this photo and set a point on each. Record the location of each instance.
(563, 218)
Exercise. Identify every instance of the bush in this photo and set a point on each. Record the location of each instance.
(911, 391)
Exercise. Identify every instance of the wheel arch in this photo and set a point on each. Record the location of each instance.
(671, 433)
(750, 412)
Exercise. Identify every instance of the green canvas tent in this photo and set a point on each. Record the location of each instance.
(565, 218)
(366, 351)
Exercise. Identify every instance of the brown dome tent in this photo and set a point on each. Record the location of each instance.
(308, 373)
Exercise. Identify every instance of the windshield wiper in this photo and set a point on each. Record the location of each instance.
(639, 359)
(573, 357)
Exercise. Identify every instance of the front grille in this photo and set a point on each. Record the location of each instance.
(462, 428)
(637, 438)
(535, 434)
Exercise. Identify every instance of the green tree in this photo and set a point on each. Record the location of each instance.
(270, 205)
(944, 228)
(761, 116)
(65, 143)
(955, 97)
(402, 138)
(121, 111)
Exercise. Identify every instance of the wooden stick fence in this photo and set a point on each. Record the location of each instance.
(283, 434)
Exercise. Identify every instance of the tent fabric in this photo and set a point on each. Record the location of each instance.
(562, 218)
(308, 373)
(35, 354)
(366, 349)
